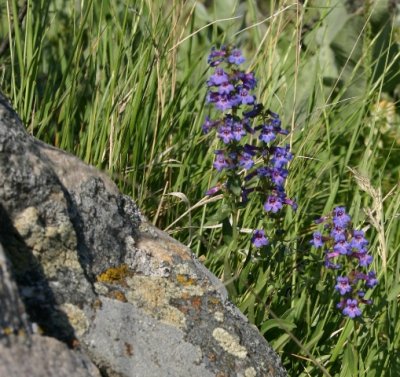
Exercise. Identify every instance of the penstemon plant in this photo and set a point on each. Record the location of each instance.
(251, 162)
(346, 250)
(246, 168)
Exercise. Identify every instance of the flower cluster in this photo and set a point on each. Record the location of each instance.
(241, 117)
(342, 243)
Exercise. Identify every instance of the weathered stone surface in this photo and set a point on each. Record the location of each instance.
(23, 353)
(94, 275)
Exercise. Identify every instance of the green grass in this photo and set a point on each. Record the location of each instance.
(123, 88)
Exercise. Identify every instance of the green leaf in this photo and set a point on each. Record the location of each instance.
(217, 218)
(280, 323)
(278, 344)
(227, 231)
(234, 185)
(350, 362)
(393, 293)
(344, 336)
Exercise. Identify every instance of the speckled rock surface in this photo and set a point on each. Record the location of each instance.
(92, 275)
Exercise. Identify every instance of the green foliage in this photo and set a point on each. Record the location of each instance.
(122, 86)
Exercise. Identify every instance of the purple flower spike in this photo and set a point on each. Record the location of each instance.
(230, 91)
(273, 204)
(245, 194)
(343, 243)
(317, 240)
(333, 254)
(291, 203)
(343, 285)
(351, 309)
(259, 239)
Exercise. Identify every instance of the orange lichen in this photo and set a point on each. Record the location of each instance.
(114, 275)
(212, 357)
(214, 301)
(185, 296)
(196, 302)
(97, 304)
(118, 295)
(185, 280)
(128, 349)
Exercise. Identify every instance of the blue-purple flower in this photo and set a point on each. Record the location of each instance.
(340, 217)
(351, 308)
(273, 204)
(236, 57)
(259, 239)
(343, 285)
(281, 156)
(371, 280)
(317, 240)
(221, 162)
(219, 77)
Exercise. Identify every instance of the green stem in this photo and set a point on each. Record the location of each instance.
(230, 255)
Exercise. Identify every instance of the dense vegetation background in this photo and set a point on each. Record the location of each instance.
(121, 84)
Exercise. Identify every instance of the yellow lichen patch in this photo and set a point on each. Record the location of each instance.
(229, 342)
(76, 317)
(185, 280)
(114, 275)
(219, 316)
(250, 372)
(118, 295)
(153, 295)
(7, 331)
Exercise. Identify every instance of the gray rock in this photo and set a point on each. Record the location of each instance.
(89, 272)
(24, 353)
